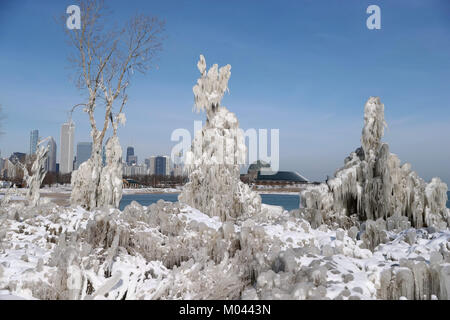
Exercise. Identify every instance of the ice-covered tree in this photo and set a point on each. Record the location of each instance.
(373, 184)
(34, 178)
(217, 152)
(105, 60)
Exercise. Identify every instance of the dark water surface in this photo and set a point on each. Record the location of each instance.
(287, 201)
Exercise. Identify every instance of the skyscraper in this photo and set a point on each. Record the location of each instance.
(66, 143)
(167, 165)
(34, 137)
(132, 160)
(150, 163)
(84, 150)
(130, 152)
(50, 163)
(162, 166)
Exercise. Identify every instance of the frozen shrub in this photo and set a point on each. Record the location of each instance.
(373, 185)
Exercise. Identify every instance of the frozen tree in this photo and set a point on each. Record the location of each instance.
(373, 184)
(218, 150)
(111, 176)
(105, 61)
(36, 176)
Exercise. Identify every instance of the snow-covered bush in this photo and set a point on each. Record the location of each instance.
(373, 184)
(172, 251)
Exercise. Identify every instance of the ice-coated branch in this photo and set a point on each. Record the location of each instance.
(210, 87)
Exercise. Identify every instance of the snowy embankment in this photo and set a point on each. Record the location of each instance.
(172, 251)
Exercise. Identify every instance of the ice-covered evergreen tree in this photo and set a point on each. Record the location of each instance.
(218, 150)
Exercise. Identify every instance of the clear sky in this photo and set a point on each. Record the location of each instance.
(304, 67)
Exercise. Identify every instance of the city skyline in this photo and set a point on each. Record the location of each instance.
(311, 82)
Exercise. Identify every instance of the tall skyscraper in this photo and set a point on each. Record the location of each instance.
(66, 143)
(150, 163)
(50, 163)
(132, 160)
(130, 152)
(162, 165)
(84, 150)
(34, 137)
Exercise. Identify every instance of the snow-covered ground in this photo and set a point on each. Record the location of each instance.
(172, 251)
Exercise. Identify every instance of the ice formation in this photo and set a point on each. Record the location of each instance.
(373, 184)
(86, 181)
(36, 176)
(95, 186)
(111, 176)
(353, 240)
(218, 150)
(172, 251)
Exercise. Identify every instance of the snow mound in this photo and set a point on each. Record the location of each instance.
(173, 251)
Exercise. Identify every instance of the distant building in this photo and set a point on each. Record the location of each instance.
(147, 163)
(281, 177)
(50, 162)
(130, 152)
(162, 166)
(132, 160)
(84, 150)
(34, 138)
(66, 145)
(134, 170)
(257, 173)
(150, 163)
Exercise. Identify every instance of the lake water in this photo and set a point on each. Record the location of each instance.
(287, 201)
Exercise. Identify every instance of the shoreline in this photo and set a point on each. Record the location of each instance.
(63, 198)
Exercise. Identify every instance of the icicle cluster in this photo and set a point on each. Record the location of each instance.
(95, 186)
(85, 181)
(373, 184)
(111, 176)
(172, 251)
(218, 150)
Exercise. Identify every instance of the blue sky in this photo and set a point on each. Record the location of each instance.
(304, 67)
